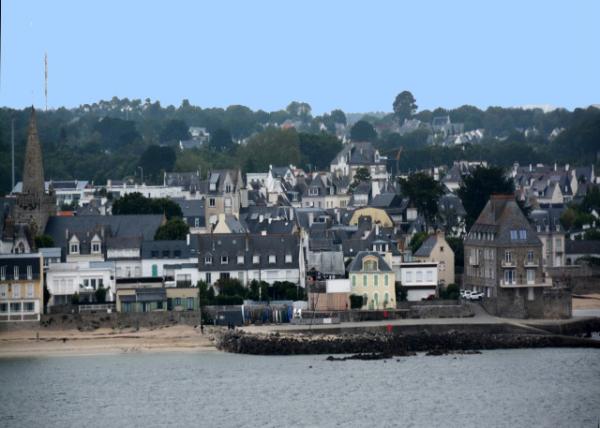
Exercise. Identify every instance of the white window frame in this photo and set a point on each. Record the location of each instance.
(16, 291)
(208, 260)
(240, 260)
(288, 258)
(29, 272)
(272, 259)
(30, 290)
(224, 260)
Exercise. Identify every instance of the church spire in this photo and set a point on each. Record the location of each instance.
(33, 171)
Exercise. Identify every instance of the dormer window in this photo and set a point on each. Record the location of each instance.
(228, 188)
(29, 272)
(240, 260)
(2, 273)
(313, 191)
(224, 260)
(288, 258)
(272, 259)
(256, 259)
(369, 265)
(95, 247)
(208, 259)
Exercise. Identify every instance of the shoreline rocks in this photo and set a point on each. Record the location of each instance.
(370, 345)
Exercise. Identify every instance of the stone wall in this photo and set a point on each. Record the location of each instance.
(552, 303)
(92, 321)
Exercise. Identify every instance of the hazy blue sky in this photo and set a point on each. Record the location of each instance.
(348, 54)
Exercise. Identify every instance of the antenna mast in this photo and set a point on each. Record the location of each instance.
(46, 78)
(12, 140)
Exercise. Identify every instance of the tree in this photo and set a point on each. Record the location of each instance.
(318, 149)
(356, 301)
(44, 241)
(476, 189)
(417, 240)
(401, 293)
(173, 131)
(404, 106)
(271, 147)
(157, 159)
(457, 246)
(299, 110)
(362, 175)
(174, 229)
(338, 116)
(100, 294)
(136, 203)
(363, 131)
(221, 141)
(424, 193)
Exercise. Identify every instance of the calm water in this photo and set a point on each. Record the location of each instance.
(515, 388)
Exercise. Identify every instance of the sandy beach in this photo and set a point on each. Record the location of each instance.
(590, 301)
(40, 342)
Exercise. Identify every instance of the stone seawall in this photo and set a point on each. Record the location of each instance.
(92, 321)
(439, 340)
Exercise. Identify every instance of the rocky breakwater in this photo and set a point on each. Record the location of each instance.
(389, 343)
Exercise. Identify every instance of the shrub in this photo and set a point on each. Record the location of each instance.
(356, 302)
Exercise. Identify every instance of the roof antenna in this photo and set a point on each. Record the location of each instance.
(46, 78)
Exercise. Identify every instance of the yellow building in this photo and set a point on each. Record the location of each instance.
(372, 278)
(21, 287)
(377, 215)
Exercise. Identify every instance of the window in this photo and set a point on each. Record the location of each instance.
(256, 259)
(513, 235)
(353, 281)
(3, 290)
(166, 253)
(240, 260)
(15, 307)
(370, 265)
(74, 249)
(227, 202)
(509, 276)
(3, 307)
(313, 191)
(29, 272)
(211, 202)
(154, 253)
(419, 276)
(28, 307)
(508, 256)
(522, 234)
(429, 276)
(558, 244)
(95, 247)
(29, 290)
(442, 266)
(208, 259)
(177, 301)
(530, 276)
(385, 280)
(2, 273)
(228, 188)
(224, 275)
(196, 222)
(154, 270)
(441, 248)
(16, 289)
(224, 260)
(190, 303)
(409, 276)
(529, 256)
(375, 280)
(364, 280)
(272, 259)
(288, 258)
(208, 278)
(177, 253)
(16, 272)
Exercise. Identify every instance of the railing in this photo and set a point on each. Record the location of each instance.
(531, 262)
(183, 284)
(99, 307)
(538, 283)
(508, 264)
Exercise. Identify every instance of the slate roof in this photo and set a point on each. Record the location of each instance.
(357, 263)
(582, 247)
(169, 249)
(232, 245)
(426, 247)
(500, 216)
(22, 261)
(144, 226)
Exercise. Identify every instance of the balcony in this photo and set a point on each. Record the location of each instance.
(531, 262)
(508, 264)
(524, 284)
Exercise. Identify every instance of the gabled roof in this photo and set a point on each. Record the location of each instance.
(426, 247)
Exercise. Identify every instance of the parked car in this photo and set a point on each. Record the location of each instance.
(476, 296)
(465, 294)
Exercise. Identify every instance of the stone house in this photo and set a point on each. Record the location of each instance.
(21, 287)
(503, 259)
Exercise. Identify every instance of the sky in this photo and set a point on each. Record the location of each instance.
(353, 55)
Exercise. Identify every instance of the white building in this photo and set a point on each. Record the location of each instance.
(420, 280)
(84, 278)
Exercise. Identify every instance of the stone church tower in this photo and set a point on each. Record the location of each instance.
(33, 206)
